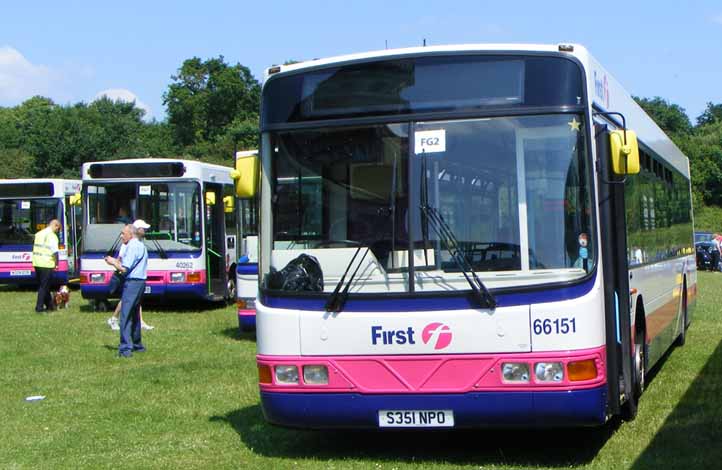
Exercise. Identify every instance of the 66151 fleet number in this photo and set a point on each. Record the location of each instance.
(557, 326)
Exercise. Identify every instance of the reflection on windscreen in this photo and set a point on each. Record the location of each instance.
(21, 219)
(512, 194)
(171, 209)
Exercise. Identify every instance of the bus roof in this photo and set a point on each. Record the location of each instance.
(192, 169)
(604, 91)
(61, 187)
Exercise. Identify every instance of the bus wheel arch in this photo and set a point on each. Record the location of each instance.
(639, 362)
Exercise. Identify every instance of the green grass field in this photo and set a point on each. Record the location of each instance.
(191, 401)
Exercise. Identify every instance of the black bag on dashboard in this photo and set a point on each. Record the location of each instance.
(300, 274)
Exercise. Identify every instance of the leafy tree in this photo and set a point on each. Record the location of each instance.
(711, 114)
(10, 134)
(16, 163)
(670, 117)
(61, 138)
(704, 149)
(157, 140)
(207, 96)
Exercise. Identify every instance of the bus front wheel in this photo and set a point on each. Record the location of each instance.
(629, 408)
(101, 305)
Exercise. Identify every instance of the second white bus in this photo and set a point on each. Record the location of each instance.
(192, 239)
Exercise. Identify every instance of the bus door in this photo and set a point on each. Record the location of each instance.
(73, 221)
(612, 218)
(215, 239)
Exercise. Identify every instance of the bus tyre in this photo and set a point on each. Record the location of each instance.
(682, 338)
(629, 408)
(231, 289)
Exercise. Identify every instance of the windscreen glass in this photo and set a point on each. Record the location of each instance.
(21, 219)
(511, 195)
(171, 209)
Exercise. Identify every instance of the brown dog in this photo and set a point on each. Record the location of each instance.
(62, 297)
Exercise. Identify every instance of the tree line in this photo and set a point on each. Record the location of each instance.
(212, 109)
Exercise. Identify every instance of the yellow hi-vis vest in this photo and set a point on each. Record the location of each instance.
(44, 249)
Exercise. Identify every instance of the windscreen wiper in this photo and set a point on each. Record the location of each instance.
(161, 251)
(112, 248)
(392, 207)
(337, 300)
(425, 202)
(434, 219)
(447, 237)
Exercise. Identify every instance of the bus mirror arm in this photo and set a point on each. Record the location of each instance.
(626, 149)
(622, 181)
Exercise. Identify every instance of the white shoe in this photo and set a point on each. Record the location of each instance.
(146, 326)
(113, 324)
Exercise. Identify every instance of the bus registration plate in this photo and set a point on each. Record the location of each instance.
(20, 272)
(416, 418)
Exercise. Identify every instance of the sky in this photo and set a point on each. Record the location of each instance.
(76, 51)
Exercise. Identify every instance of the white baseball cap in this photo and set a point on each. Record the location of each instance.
(140, 223)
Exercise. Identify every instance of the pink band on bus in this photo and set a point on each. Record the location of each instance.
(433, 373)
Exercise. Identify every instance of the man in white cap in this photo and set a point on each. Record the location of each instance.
(135, 265)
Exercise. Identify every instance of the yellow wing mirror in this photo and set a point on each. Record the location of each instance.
(625, 152)
(210, 199)
(246, 173)
(228, 204)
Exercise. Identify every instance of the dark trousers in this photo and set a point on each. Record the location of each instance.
(130, 316)
(44, 276)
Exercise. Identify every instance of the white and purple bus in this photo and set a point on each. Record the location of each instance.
(465, 236)
(192, 239)
(26, 207)
(247, 265)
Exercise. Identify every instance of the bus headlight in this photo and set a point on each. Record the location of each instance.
(315, 375)
(177, 277)
(287, 375)
(515, 371)
(549, 371)
(97, 278)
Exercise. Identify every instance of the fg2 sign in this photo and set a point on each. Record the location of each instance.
(430, 141)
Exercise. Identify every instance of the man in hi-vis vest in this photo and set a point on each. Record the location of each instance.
(45, 259)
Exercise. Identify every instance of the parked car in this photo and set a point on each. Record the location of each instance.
(708, 256)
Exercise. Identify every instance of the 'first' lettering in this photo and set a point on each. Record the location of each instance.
(381, 336)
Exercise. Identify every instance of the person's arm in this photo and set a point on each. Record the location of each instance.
(55, 249)
(116, 263)
(131, 255)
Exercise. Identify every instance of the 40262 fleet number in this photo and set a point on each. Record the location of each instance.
(558, 326)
